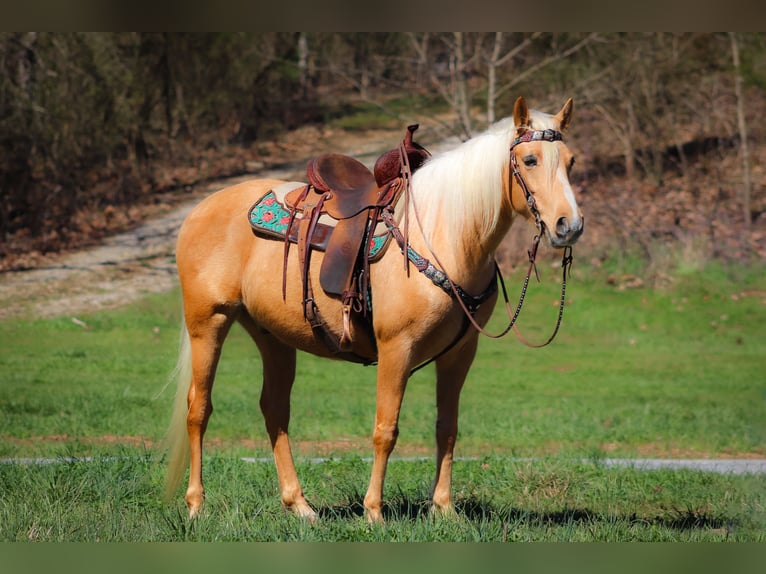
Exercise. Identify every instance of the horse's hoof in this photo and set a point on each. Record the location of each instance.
(309, 516)
(194, 512)
(305, 512)
(374, 516)
(195, 508)
(446, 511)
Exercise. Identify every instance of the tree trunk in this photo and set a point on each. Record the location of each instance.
(26, 63)
(492, 77)
(461, 90)
(166, 71)
(303, 62)
(742, 126)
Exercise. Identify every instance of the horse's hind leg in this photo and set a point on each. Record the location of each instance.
(278, 377)
(206, 334)
(451, 371)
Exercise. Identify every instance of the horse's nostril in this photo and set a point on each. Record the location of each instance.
(562, 227)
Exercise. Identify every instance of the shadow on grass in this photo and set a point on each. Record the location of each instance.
(477, 510)
(674, 519)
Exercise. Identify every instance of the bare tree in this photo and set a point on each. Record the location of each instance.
(461, 98)
(447, 68)
(624, 129)
(421, 63)
(303, 62)
(742, 126)
(496, 61)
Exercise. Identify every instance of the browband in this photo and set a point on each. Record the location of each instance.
(538, 135)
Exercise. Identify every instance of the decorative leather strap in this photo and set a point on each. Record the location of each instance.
(538, 135)
(437, 277)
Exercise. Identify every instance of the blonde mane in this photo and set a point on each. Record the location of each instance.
(464, 186)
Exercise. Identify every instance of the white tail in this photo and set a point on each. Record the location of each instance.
(176, 441)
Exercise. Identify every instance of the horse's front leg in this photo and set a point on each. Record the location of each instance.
(393, 372)
(451, 371)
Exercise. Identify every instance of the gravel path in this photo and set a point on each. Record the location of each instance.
(718, 466)
(721, 466)
(123, 268)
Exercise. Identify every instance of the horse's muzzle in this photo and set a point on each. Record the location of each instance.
(567, 232)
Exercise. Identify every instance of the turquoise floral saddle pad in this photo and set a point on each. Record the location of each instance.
(269, 217)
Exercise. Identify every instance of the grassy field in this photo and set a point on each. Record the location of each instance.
(634, 373)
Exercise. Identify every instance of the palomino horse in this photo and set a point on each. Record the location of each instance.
(463, 201)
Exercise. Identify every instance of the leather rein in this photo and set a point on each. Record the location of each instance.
(468, 303)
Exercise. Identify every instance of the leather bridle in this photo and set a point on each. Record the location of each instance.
(526, 137)
(549, 135)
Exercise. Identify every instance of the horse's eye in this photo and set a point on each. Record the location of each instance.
(530, 160)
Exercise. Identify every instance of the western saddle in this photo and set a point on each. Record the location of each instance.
(346, 190)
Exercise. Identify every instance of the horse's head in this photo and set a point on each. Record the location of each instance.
(539, 180)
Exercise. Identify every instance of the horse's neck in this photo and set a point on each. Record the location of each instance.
(467, 257)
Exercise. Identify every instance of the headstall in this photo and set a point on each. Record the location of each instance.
(526, 137)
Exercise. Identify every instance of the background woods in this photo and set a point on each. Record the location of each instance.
(668, 132)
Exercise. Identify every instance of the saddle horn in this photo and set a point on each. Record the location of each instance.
(388, 165)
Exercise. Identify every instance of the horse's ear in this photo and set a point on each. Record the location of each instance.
(521, 115)
(565, 115)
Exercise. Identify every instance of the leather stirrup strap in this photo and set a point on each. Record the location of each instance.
(311, 214)
(293, 211)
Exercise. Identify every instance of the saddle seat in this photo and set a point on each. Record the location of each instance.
(352, 186)
(348, 186)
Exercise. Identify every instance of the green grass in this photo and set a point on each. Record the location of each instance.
(114, 499)
(633, 373)
(363, 116)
